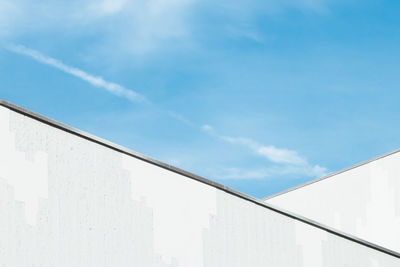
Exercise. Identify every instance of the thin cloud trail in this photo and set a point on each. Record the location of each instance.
(290, 162)
(96, 81)
(276, 155)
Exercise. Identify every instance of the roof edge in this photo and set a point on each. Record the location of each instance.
(187, 174)
(332, 174)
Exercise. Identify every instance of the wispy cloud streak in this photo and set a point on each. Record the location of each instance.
(276, 155)
(289, 161)
(96, 81)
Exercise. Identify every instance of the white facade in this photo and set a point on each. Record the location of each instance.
(363, 201)
(69, 199)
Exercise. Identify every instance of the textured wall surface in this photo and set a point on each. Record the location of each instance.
(67, 201)
(363, 201)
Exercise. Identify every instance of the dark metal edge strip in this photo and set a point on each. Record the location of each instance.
(231, 191)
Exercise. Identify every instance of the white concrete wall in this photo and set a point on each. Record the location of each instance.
(67, 201)
(364, 201)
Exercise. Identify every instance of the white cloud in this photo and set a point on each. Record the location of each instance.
(107, 7)
(276, 155)
(97, 81)
(281, 155)
(287, 161)
(138, 26)
(207, 128)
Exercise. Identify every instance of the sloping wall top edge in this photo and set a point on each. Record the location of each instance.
(332, 174)
(187, 174)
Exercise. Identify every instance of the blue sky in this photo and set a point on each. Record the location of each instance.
(257, 95)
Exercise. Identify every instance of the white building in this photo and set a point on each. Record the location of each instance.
(68, 198)
(363, 200)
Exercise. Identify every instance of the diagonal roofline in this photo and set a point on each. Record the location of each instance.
(331, 175)
(198, 178)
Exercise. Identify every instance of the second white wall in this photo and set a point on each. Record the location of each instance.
(363, 201)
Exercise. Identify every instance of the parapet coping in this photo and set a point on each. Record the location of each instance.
(331, 175)
(198, 178)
